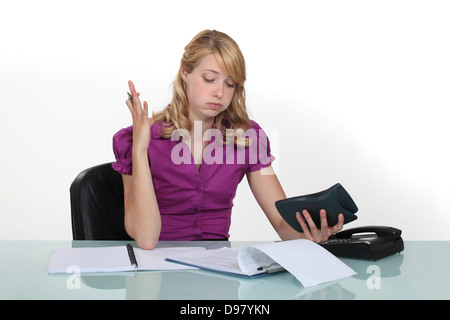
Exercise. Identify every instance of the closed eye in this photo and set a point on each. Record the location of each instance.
(228, 84)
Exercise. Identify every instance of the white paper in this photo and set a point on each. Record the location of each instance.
(310, 263)
(112, 259)
(155, 259)
(98, 259)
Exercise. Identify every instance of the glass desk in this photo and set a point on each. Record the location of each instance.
(419, 272)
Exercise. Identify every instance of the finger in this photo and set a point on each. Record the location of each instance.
(305, 228)
(146, 109)
(134, 93)
(129, 105)
(135, 108)
(311, 227)
(323, 220)
(339, 225)
(132, 88)
(323, 223)
(311, 224)
(340, 221)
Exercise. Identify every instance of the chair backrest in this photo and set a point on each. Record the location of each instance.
(97, 205)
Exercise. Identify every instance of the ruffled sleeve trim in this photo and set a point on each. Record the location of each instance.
(264, 156)
(121, 168)
(122, 148)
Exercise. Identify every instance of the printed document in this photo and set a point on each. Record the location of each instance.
(305, 260)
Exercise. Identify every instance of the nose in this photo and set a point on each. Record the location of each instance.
(218, 91)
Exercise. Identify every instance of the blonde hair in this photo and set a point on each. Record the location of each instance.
(231, 61)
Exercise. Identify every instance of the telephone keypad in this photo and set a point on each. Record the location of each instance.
(338, 241)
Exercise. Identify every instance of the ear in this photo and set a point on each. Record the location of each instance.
(184, 74)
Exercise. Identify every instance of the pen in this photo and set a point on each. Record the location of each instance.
(271, 268)
(131, 255)
(130, 97)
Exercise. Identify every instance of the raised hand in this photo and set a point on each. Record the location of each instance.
(141, 121)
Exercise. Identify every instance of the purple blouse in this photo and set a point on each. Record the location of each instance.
(195, 204)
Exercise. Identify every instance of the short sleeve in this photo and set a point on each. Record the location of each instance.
(259, 149)
(122, 148)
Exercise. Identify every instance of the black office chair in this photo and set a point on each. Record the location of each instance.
(97, 205)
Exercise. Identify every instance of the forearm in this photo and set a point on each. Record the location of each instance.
(283, 229)
(267, 190)
(285, 232)
(142, 216)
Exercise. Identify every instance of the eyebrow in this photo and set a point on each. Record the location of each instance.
(211, 70)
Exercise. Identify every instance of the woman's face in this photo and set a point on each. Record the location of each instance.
(209, 90)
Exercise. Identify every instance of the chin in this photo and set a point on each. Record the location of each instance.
(213, 112)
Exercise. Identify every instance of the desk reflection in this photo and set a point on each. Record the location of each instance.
(205, 285)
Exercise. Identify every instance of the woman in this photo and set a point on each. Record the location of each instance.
(169, 197)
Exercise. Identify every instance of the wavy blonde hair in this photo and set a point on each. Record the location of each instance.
(176, 115)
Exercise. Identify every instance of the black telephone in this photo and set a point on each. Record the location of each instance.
(370, 242)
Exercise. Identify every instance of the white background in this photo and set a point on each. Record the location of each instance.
(354, 92)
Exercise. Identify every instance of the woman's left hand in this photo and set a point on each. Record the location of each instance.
(310, 230)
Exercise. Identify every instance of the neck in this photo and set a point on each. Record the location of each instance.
(201, 125)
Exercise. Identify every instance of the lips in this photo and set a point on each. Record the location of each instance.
(215, 105)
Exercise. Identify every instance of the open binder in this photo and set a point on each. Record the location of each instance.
(305, 260)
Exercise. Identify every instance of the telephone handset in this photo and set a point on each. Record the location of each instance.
(372, 242)
(369, 242)
(335, 200)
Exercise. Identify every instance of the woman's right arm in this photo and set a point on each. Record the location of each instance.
(142, 217)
